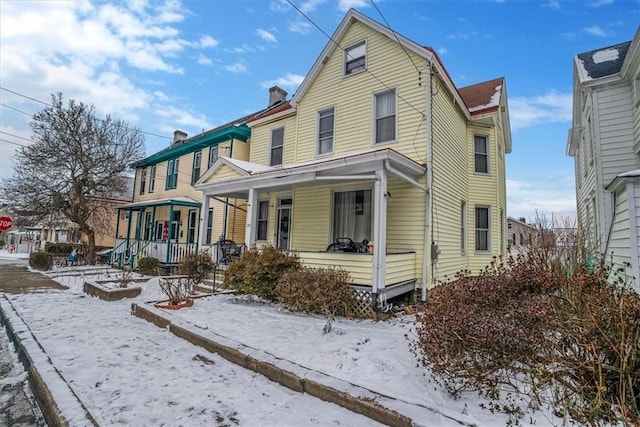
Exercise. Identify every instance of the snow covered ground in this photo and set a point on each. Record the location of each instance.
(130, 372)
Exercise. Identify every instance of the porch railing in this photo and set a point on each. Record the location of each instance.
(165, 252)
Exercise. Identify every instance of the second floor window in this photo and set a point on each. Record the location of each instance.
(385, 114)
(482, 228)
(481, 152)
(325, 131)
(197, 160)
(172, 173)
(355, 58)
(143, 180)
(263, 219)
(213, 155)
(152, 179)
(277, 142)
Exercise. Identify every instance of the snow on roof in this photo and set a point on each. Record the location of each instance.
(602, 62)
(248, 166)
(482, 96)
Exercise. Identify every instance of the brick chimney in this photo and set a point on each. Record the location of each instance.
(276, 95)
(178, 137)
(523, 220)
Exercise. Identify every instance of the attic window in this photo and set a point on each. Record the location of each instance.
(355, 58)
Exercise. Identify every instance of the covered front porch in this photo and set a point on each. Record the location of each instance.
(166, 229)
(306, 208)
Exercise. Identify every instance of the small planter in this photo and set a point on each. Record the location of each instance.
(106, 294)
(165, 304)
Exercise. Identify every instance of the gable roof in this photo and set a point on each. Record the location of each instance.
(482, 97)
(602, 62)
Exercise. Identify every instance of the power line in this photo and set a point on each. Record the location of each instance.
(396, 36)
(11, 142)
(49, 105)
(345, 51)
(15, 109)
(16, 136)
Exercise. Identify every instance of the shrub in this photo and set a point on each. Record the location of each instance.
(148, 265)
(321, 291)
(41, 260)
(196, 266)
(177, 289)
(544, 328)
(125, 278)
(258, 271)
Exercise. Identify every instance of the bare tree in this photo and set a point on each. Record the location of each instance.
(74, 168)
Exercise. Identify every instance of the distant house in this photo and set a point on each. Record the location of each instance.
(166, 218)
(605, 143)
(379, 164)
(521, 235)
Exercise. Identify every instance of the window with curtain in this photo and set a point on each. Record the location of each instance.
(325, 131)
(143, 180)
(152, 179)
(263, 219)
(355, 58)
(482, 228)
(481, 150)
(213, 155)
(352, 215)
(209, 231)
(197, 160)
(385, 112)
(277, 141)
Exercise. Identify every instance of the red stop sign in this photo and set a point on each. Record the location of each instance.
(5, 223)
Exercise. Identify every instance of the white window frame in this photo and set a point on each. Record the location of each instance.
(376, 118)
(143, 180)
(264, 220)
(272, 148)
(328, 112)
(197, 166)
(332, 211)
(350, 58)
(213, 156)
(152, 179)
(486, 154)
(209, 228)
(486, 230)
(173, 166)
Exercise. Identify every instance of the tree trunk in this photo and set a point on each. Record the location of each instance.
(90, 256)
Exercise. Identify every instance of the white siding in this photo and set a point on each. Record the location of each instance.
(619, 248)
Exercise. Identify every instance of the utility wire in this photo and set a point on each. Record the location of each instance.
(16, 136)
(12, 142)
(49, 105)
(396, 36)
(15, 109)
(345, 51)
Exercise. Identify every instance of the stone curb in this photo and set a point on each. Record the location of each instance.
(284, 372)
(59, 404)
(94, 289)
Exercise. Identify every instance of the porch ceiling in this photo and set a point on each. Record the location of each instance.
(320, 172)
(177, 201)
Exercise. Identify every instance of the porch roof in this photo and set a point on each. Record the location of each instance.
(352, 167)
(176, 201)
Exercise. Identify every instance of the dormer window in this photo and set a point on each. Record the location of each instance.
(355, 59)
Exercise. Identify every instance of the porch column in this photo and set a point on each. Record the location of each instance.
(170, 231)
(117, 226)
(252, 206)
(204, 215)
(380, 230)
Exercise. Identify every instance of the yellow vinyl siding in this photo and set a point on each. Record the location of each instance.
(261, 141)
(359, 266)
(240, 150)
(312, 219)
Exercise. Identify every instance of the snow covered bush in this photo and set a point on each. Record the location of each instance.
(41, 260)
(322, 291)
(259, 271)
(177, 289)
(148, 265)
(542, 329)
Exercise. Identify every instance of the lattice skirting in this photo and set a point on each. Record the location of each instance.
(362, 305)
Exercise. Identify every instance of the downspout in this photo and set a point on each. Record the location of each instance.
(379, 237)
(427, 205)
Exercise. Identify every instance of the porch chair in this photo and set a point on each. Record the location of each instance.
(230, 251)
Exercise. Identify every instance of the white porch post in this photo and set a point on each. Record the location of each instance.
(380, 230)
(204, 218)
(252, 212)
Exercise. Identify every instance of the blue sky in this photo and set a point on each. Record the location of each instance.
(196, 64)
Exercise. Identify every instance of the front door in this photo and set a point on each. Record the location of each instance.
(284, 224)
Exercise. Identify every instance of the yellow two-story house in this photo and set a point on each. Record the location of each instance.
(166, 219)
(378, 164)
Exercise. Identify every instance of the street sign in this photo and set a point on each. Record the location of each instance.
(5, 223)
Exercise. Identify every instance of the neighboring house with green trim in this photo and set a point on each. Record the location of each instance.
(377, 145)
(166, 215)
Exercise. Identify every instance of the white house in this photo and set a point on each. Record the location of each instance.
(605, 143)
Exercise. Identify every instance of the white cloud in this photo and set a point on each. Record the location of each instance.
(310, 5)
(442, 50)
(550, 107)
(208, 41)
(595, 30)
(266, 36)
(280, 6)
(598, 3)
(183, 117)
(290, 81)
(549, 195)
(236, 68)
(204, 60)
(345, 5)
(301, 27)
